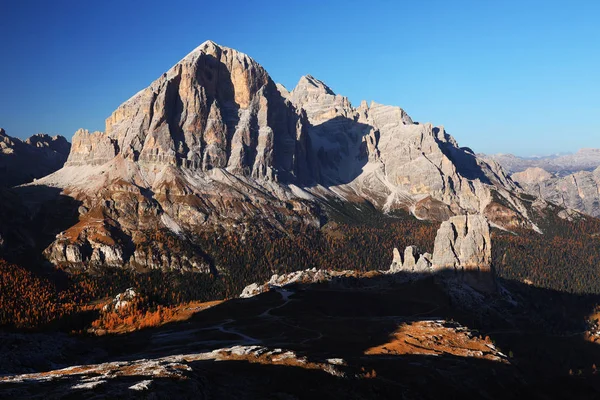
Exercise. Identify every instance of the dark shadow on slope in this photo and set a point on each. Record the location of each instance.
(539, 330)
(32, 216)
(407, 377)
(341, 152)
(463, 158)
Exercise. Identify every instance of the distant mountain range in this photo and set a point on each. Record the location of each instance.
(22, 161)
(560, 165)
(571, 180)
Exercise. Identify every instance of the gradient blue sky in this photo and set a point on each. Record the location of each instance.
(501, 76)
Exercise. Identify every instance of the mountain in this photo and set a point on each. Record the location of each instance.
(571, 181)
(561, 165)
(222, 217)
(377, 153)
(23, 161)
(214, 143)
(579, 191)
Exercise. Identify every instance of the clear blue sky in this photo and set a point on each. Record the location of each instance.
(501, 76)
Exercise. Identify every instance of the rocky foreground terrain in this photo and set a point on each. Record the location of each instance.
(38, 156)
(448, 328)
(358, 336)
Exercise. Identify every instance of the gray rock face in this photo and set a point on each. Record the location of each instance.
(216, 108)
(409, 258)
(24, 161)
(396, 261)
(463, 242)
(91, 148)
(411, 262)
(531, 175)
(379, 153)
(579, 191)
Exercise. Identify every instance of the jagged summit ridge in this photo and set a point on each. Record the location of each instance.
(310, 83)
(377, 152)
(216, 108)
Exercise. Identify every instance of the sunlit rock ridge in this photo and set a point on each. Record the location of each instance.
(215, 142)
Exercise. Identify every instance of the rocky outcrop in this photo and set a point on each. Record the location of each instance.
(121, 300)
(579, 191)
(24, 161)
(412, 261)
(305, 277)
(91, 148)
(463, 243)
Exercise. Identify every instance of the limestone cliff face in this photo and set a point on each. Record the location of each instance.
(462, 247)
(378, 153)
(579, 191)
(94, 148)
(463, 243)
(216, 108)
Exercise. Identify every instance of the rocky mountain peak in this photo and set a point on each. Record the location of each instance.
(215, 142)
(216, 108)
(312, 84)
(532, 175)
(57, 143)
(319, 101)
